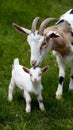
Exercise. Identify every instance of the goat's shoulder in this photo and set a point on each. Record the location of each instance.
(51, 28)
(62, 28)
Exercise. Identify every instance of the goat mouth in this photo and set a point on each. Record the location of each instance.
(34, 67)
(37, 64)
(35, 82)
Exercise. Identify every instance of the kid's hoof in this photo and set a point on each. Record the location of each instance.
(58, 97)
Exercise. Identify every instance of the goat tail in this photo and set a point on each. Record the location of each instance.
(15, 62)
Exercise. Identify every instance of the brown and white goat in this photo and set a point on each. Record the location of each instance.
(58, 38)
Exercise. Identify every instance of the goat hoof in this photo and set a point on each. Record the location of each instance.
(58, 97)
(10, 99)
(42, 109)
(70, 90)
(28, 110)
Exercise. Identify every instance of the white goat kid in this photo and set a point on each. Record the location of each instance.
(58, 38)
(28, 80)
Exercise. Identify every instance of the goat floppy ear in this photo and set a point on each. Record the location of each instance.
(26, 69)
(21, 29)
(52, 34)
(44, 69)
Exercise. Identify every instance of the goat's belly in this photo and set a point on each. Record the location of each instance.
(69, 58)
(66, 58)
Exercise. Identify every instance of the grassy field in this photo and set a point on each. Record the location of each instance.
(58, 114)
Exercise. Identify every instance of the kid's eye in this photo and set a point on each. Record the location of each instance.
(31, 75)
(40, 74)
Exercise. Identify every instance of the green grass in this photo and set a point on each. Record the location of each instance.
(58, 114)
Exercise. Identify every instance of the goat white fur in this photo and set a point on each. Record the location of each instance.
(58, 38)
(28, 80)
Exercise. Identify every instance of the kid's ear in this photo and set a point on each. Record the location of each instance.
(44, 69)
(26, 69)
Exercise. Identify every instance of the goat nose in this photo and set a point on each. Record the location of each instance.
(35, 80)
(33, 62)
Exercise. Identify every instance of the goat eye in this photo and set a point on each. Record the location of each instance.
(44, 45)
(40, 74)
(30, 75)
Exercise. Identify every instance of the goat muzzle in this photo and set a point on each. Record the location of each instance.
(33, 63)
